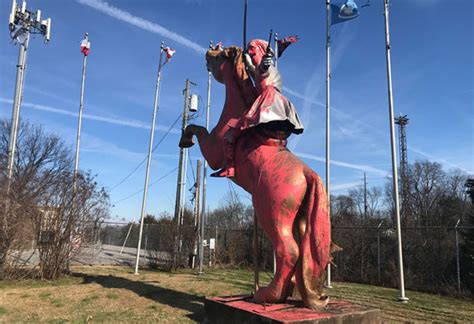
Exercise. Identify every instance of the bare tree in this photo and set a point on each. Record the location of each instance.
(42, 199)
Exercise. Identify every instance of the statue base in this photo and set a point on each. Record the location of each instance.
(241, 309)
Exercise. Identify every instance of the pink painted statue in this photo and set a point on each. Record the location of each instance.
(248, 145)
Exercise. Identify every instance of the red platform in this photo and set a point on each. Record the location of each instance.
(241, 309)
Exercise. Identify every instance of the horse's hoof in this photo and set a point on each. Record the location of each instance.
(186, 141)
(267, 295)
(317, 303)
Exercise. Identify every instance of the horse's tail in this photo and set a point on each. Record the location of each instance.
(315, 244)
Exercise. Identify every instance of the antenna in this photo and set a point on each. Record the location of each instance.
(47, 33)
(11, 21)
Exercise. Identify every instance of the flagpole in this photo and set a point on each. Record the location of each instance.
(79, 122)
(148, 164)
(402, 297)
(204, 178)
(276, 49)
(328, 102)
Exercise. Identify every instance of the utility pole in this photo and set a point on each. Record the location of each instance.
(402, 121)
(150, 152)
(178, 209)
(365, 196)
(22, 23)
(402, 296)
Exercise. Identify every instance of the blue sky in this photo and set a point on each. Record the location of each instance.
(432, 63)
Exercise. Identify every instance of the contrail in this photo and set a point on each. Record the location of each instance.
(139, 22)
(344, 186)
(361, 167)
(440, 160)
(109, 120)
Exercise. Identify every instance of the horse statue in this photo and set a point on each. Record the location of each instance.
(288, 197)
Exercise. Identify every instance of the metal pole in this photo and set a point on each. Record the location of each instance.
(328, 105)
(365, 196)
(146, 241)
(150, 150)
(126, 238)
(255, 255)
(276, 49)
(18, 97)
(378, 251)
(79, 122)
(457, 255)
(204, 177)
(201, 219)
(177, 209)
(402, 297)
(215, 248)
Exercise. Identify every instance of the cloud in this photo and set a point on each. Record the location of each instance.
(104, 119)
(362, 167)
(144, 24)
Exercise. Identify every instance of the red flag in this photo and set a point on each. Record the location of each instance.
(218, 47)
(285, 42)
(169, 54)
(85, 46)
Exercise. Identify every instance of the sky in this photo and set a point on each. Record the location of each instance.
(432, 66)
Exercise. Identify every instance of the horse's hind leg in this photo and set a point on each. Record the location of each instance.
(276, 215)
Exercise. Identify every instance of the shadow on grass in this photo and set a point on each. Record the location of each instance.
(173, 298)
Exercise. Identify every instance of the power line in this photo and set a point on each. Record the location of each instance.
(143, 161)
(141, 190)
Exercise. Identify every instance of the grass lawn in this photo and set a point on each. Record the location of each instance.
(114, 294)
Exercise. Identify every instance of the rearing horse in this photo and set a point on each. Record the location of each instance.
(288, 197)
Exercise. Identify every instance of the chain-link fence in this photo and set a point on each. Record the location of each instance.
(369, 255)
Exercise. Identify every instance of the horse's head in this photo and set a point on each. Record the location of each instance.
(228, 67)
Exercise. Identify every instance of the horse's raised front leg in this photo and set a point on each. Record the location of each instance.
(208, 143)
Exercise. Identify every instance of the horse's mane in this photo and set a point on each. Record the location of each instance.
(241, 77)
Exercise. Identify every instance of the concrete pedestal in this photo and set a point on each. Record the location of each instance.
(241, 309)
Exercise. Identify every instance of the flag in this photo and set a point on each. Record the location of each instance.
(85, 46)
(344, 12)
(285, 42)
(218, 47)
(169, 54)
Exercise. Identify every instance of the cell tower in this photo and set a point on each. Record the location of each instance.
(402, 121)
(22, 23)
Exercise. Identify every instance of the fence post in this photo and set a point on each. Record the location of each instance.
(457, 255)
(146, 243)
(378, 251)
(93, 242)
(126, 238)
(215, 248)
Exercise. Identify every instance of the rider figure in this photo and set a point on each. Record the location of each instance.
(271, 108)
